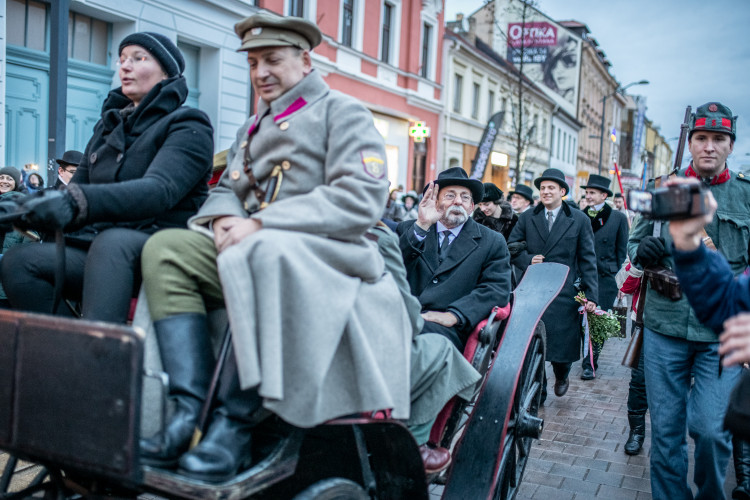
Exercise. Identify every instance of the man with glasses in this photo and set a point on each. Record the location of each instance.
(458, 269)
(66, 167)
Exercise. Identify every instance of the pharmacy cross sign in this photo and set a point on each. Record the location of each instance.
(419, 132)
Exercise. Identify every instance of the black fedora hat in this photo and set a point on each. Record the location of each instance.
(457, 176)
(599, 182)
(70, 158)
(523, 190)
(555, 175)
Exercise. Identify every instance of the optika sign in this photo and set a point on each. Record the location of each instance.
(532, 34)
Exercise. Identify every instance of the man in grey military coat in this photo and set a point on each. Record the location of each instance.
(458, 269)
(553, 232)
(611, 245)
(319, 329)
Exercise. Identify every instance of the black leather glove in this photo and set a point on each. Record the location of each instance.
(650, 250)
(49, 210)
(8, 215)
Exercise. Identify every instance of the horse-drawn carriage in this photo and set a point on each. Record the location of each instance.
(71, 393)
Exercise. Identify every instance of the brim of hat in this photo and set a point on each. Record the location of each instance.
(476, 187)
(538, 182)
(603, 190)
(265, 42)
(511, 193)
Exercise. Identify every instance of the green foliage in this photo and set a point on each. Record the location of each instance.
(602, 324)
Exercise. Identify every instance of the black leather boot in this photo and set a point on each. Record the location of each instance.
(637, 433)
(741, 453)
(187, 358)
(225, 449)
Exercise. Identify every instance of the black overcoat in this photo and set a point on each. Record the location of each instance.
(611, 246)
(571, 242)
(473, 277)
(146, 168)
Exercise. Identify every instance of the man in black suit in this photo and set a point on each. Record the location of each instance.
(66, 167)
(458, 269)
(611, 245)
(553, 232)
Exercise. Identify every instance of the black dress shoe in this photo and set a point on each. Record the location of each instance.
(588, 374)
(561, 387)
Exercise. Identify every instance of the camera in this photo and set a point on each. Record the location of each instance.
(678, 201)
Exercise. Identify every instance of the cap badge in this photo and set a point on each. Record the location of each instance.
(256, 31)
(713, 108)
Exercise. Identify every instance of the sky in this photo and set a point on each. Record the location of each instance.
(691, 52)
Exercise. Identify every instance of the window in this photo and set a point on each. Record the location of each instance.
(426, 37)
(297, 8)
(544, 131)
(386, 32)
(552, 141)
(535, 124)
(490, 104)
(475, 101)
(27, 24)
(348, 23)
(558, 144)
(458, 82)
(87, 39)
(192, 55)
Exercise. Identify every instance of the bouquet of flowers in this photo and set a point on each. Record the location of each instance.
(602, 324)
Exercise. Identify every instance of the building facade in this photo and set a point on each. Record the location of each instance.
(384, 52)
(479, 84)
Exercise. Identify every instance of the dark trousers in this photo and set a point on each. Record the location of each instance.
(455, 335)
(637, 403)
(104, 278)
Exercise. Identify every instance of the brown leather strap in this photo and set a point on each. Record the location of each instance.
(641, 300)
(707, 240)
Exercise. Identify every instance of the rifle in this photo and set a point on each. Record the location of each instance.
(660, 277)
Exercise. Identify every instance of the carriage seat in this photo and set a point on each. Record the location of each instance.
(483, 335)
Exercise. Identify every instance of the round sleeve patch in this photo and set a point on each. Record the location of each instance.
(373, 164)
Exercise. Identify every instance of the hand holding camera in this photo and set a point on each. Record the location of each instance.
(688, 233)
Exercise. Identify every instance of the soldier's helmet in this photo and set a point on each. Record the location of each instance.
(714, 117)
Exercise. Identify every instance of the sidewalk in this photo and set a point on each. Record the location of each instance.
(580, 454)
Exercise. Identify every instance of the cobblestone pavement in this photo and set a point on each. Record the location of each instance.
(580, 455)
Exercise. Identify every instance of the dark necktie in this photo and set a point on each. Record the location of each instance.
(550, 220)
(445, 243)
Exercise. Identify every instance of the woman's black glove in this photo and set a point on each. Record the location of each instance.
(49, 210)
(9, 213)
(650, 250)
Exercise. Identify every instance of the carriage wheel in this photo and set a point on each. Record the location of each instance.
(523, 425)
(19, 476)
(335, 488)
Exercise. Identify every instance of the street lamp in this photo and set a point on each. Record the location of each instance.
(604, 109)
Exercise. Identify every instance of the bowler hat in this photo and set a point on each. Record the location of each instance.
(492, 193)
(456, 176)
(70, 158)
(599, 182)
(552, 174)
(714, 117)
(523, 190)
(265, 29)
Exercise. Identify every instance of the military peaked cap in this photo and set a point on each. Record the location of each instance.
(265, 29)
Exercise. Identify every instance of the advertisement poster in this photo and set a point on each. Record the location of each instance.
(551, 54)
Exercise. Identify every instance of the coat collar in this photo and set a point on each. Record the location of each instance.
(601, 218)
(562, 224)
(465, 243)
(311, 88)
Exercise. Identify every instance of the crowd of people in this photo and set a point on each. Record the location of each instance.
(304, 200)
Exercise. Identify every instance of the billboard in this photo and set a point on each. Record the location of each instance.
(551, 54)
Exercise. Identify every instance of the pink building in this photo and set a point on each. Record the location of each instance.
(386, 54)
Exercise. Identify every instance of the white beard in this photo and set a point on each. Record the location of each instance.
(455, 216)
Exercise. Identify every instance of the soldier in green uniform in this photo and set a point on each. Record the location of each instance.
(676, 345)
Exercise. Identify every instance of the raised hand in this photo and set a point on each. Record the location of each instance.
(429, 212)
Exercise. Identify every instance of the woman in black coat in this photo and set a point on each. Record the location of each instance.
(145, 168)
